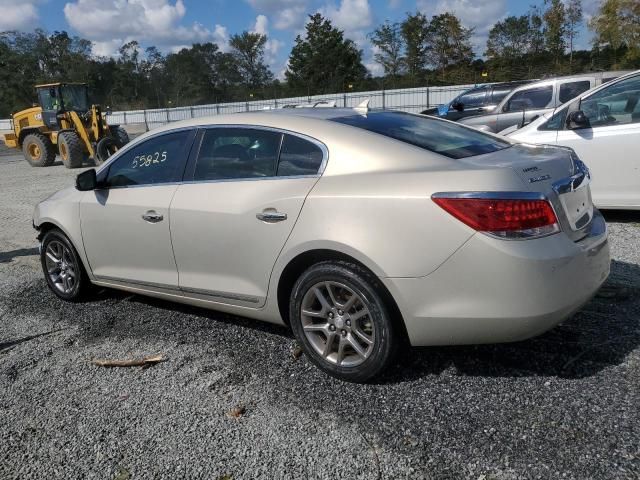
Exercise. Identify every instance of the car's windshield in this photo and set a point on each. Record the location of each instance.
(74, 97)
(445, 138)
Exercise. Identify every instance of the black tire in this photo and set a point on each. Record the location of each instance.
(71, 149)
(120, 135)
(38, 150)
(367, 286)
(104, 149)
(81, 284)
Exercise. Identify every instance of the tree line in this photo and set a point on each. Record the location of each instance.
(417, 51)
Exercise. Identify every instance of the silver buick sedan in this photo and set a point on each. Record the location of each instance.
(359, 229)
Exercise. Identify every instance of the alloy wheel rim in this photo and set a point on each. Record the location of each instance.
(61, 267)
(337, 323)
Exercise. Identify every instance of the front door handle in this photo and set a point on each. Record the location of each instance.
(271, 216)
(152, 216)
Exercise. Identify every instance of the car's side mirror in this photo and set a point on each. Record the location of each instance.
(576, 120)
(87, 181)
(459, 106)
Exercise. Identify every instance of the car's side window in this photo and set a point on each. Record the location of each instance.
(498, 94)
(473, 99)
(157, 160)
(616, 104)
(299, 157)
(571, 90)
(237, 153)
(538, 97)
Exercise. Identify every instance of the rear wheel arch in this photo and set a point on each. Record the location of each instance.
(303, 261)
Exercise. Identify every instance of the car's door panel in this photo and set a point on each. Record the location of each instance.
(125, 223)
(220, 244)
(120, 244)
(230, 223)
(611, 153)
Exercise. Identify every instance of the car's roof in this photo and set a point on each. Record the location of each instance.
(309, 121)
(271, 117)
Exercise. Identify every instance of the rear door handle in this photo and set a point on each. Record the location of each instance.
(270, 216)
(152, 216)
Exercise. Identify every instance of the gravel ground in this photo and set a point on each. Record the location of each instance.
(563, 405)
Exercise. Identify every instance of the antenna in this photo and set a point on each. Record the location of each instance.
(363, 107)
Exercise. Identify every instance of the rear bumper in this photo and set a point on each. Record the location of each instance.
(493, 291)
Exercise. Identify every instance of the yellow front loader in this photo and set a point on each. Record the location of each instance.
(64, 123)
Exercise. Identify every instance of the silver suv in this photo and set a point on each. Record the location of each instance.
(528, 102)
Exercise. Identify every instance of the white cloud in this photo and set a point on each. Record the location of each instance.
(288, 14)
(350, 16)
(272, 46)
(110, 23)
(479, 14)
(18, 16)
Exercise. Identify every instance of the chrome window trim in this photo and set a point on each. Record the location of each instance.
(318, 143)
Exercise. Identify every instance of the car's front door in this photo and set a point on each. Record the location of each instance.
(125, 223)
(231, 221)
(609, 145)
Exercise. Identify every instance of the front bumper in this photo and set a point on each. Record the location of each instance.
(493, 290)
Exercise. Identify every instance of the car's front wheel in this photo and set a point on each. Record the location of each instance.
(341, 320)
(62, 267)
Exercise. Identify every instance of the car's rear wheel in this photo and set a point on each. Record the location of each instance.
(62, 267)
(341, 320)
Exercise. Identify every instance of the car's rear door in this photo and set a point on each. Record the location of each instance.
(230, 221)
(125, 223)
(609, 145)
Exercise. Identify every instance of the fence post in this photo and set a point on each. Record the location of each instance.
(246, 106)
(217, 109)
(146, 124)
(428, 98)
(384, 105)
(125, 118)
(344, 100)
(191, 110)
(166, 113)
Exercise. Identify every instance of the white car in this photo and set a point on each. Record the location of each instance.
(603, 127)
(358, 229)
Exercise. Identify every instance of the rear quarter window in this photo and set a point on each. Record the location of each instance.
(444, 138)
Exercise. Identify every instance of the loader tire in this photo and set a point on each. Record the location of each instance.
(105, 147)
(71, 149)
(38, 150)
(120, 135)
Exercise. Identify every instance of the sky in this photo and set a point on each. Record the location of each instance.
(173, 24)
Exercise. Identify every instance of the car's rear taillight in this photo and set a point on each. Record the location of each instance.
(501, 216)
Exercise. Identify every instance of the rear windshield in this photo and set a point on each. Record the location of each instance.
(445, 138)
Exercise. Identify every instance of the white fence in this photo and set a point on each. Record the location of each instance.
(407, 99)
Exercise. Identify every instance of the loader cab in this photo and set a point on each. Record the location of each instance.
(57, 98)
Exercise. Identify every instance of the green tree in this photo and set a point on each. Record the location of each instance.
(389, 42)
(573, 12)
(509, 38)
(555, 28)
(415, 31)
(323, 60)
(617, 25)
(448, 42)
(248, 52)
